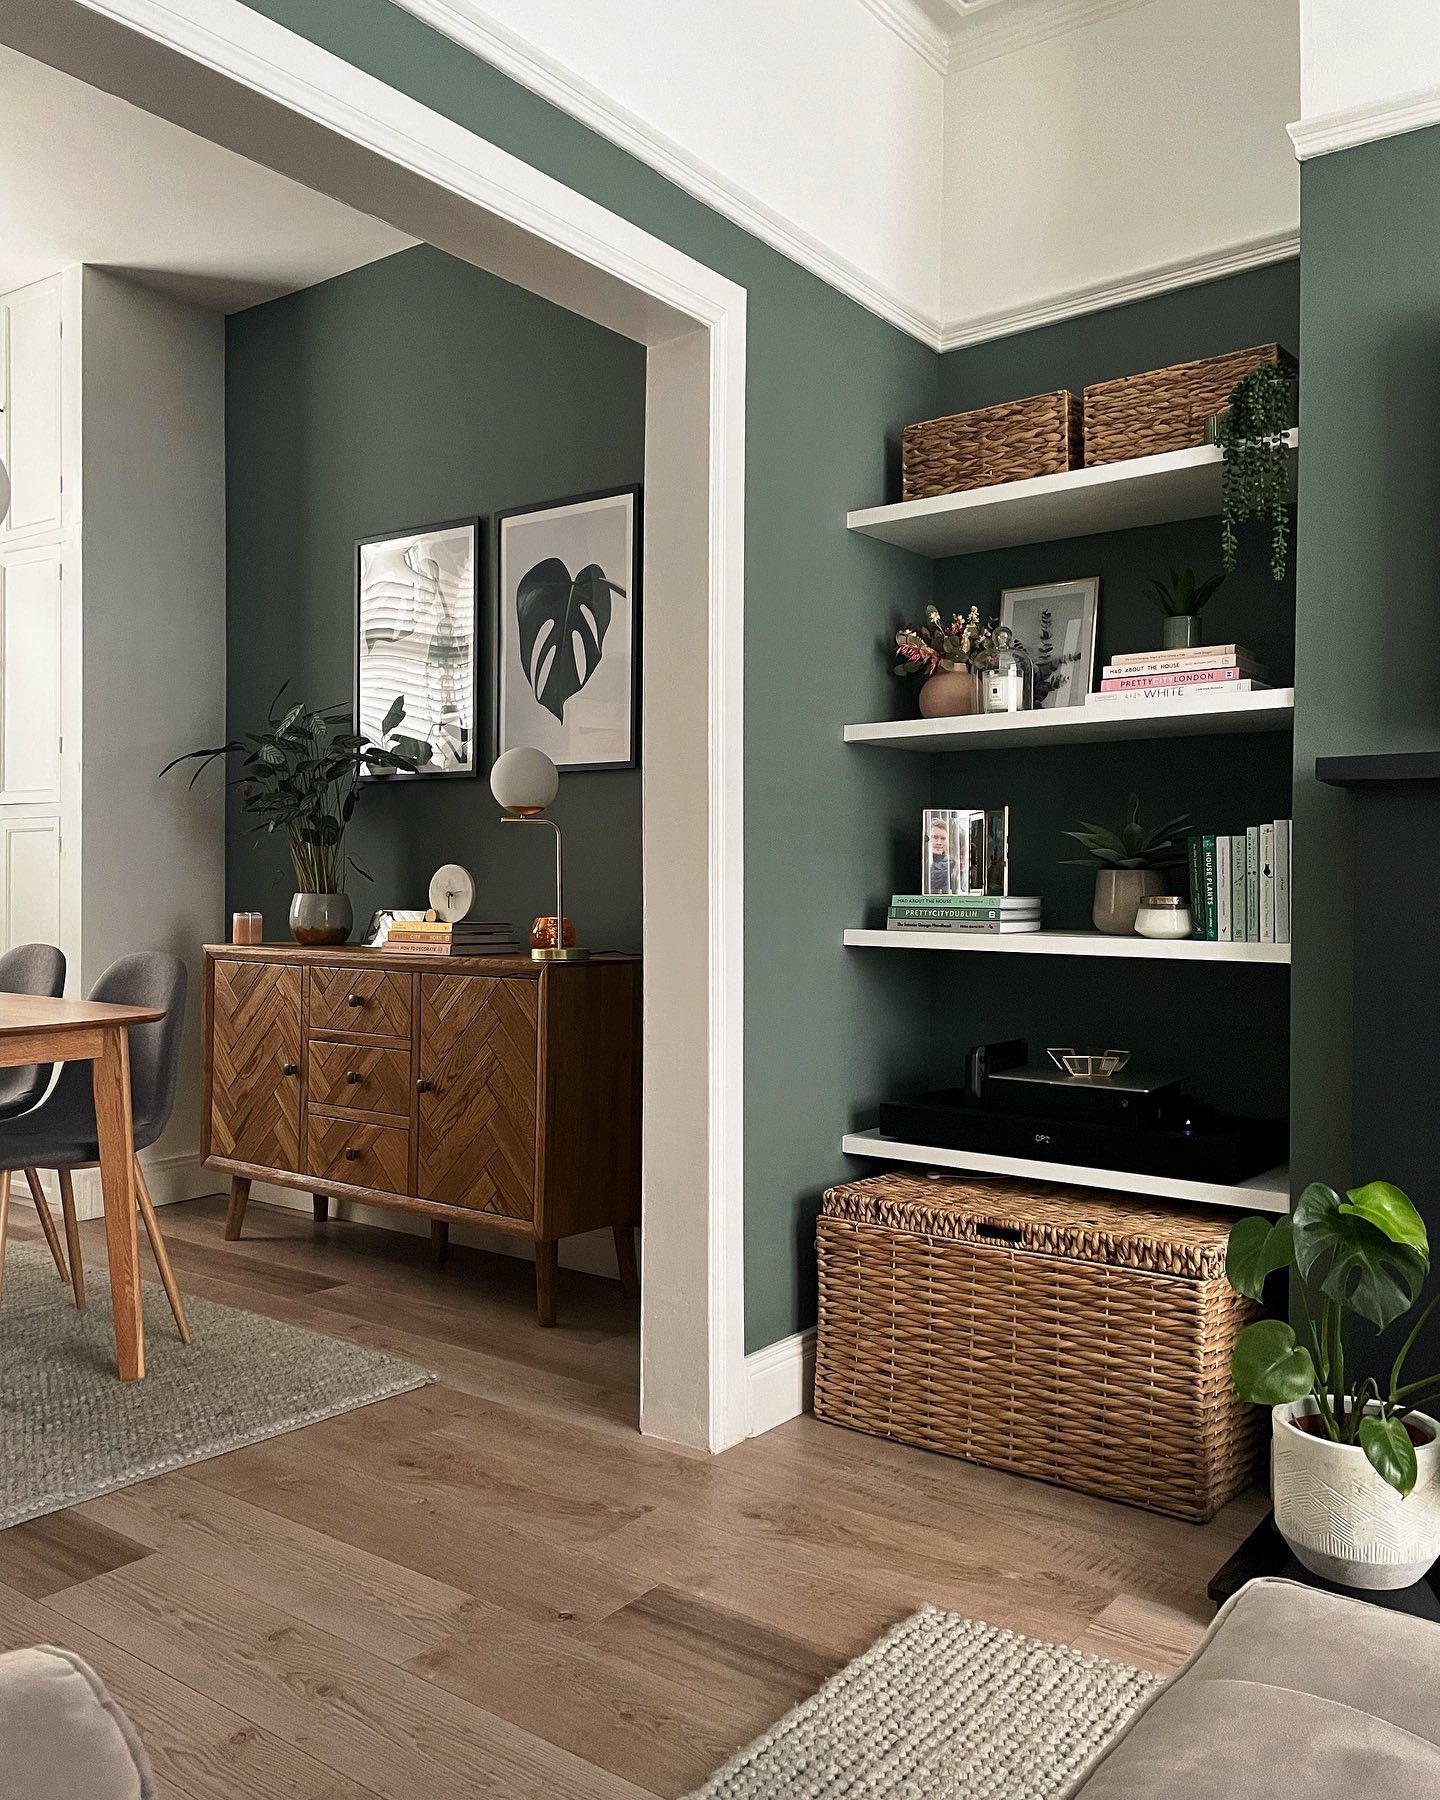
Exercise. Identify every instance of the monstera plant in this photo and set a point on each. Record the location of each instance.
(1365, 1256)
(562, 622)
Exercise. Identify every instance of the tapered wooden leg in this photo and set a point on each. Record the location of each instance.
(439, 1239)
(161, 1254)
(546, 1254)
(47, 1224)
(625, 1256)
(111, 1078)
(4, 1220)
(239, 1200)
(72, 1236)
(320, 1205)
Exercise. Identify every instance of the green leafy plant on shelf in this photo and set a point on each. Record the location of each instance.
(1253, 434)
(302, 774)
(1366, 1256)
(1182, 597)
(1133, 846)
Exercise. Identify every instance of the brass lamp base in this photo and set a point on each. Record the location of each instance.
(570, 953)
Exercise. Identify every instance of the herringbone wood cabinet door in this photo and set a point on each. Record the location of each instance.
(478, 1049)
(255, 1104)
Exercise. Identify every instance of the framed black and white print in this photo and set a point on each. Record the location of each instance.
(415, 641)
(567, 653)
(1056, 624)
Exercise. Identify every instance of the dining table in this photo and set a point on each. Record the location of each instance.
(37, 1029)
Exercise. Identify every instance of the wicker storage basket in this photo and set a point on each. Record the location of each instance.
(1039, 436)
(1083, 1338)
(1166, 409)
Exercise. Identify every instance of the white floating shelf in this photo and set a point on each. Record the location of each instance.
(1203, 716)
(1264, 1193)
(1148, 490)
(1070, 943)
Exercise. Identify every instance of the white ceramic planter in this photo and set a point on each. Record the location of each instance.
(1341, 1520)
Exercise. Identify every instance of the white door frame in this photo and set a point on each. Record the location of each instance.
(235, 77)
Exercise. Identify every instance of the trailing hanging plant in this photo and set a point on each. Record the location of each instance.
(1132, 846)
(1255, 479)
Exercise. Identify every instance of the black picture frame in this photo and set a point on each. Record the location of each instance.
(473, 523)
(495, 626)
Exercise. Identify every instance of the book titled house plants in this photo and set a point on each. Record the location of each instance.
(1356, 1463)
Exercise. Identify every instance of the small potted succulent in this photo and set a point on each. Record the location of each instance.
(942, 654)
(1355, 1466)
(1128, 863)
(1182, 599)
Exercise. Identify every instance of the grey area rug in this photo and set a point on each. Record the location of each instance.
(70, 1429)
(942, 1708)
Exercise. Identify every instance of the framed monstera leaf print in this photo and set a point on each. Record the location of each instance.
(568, 630)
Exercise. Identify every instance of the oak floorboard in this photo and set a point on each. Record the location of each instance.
(493, 1585)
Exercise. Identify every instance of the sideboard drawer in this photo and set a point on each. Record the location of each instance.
(366, 1077)
(365, 1002)
(370, 1156)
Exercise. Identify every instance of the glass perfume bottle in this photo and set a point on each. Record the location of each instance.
(1006, 675)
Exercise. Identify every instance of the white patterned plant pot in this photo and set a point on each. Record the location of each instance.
(1342, 1521)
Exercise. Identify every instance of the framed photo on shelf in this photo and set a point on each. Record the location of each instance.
(567, 626)
(1055, 624)
(415, 613)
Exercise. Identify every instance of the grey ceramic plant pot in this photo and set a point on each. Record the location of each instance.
(1118, 893)
(1183, 632)
(323, 918)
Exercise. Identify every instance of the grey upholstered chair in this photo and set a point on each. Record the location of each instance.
(60, 1133)
(33, 969)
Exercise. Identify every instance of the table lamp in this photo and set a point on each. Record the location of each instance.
(525, 782)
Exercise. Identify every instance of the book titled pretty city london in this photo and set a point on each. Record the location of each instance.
(1240, 884)
(1157, 675)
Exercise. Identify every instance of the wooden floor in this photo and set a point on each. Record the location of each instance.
(494, 1586)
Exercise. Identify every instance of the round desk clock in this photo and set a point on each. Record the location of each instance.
(452, 892)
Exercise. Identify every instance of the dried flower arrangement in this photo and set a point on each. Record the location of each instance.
(922, 649)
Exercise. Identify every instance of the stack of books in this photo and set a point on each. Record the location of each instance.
(993, 913)
(1175, 674)
(466, 937)
(1240, 884)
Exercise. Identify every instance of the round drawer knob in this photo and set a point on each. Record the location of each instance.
(354, 999)
(354, 1077)
(351, 1153)
(424, 1087)
(290, 1069)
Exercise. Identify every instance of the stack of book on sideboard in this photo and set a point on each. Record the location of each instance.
(992, 913)
(1160, 675)
(1240, 884)
(466, 937)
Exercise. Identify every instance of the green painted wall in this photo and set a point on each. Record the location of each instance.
(1224, 1030)
(416, 389)
(1368, 647)
(830, 388)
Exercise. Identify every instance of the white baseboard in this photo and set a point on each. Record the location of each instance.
(173, 1175)
(781, 1381)
(592, 1252)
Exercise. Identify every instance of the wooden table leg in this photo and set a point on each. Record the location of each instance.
(111, 1077)
(235, 1212)
(547, 1254)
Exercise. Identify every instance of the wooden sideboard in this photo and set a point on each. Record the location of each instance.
(490, 1089)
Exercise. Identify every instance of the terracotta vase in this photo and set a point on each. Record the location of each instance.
(948, 694)
(1118, 893)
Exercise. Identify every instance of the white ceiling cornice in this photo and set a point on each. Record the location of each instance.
(962, 33)
(1324, 132)
(911, 21)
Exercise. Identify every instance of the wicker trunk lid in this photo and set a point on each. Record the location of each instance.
(1079, 1337)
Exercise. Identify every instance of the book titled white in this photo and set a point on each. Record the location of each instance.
(1267, 884)
(1252, 885)
(1282, 881)
(1178, 691)
(1224, 918)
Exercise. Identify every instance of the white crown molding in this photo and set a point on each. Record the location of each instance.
(977, 31)
(467, 25)
(1165, 278)
(913, 25)
(1355, 125)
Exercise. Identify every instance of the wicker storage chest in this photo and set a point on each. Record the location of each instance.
(1166, 409)
(1080, 1337)
(1039, 436)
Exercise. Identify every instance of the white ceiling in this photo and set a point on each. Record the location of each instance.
(85, 177)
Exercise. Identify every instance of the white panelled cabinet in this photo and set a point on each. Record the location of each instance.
(31, 366)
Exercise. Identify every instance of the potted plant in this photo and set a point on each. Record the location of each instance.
(1355, 1466)
(301, 775)
(942, 654)
(1128, 863)
(1182, 600)
(1253, 434)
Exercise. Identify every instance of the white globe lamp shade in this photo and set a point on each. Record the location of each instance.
(4, 492)
(524, 781)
